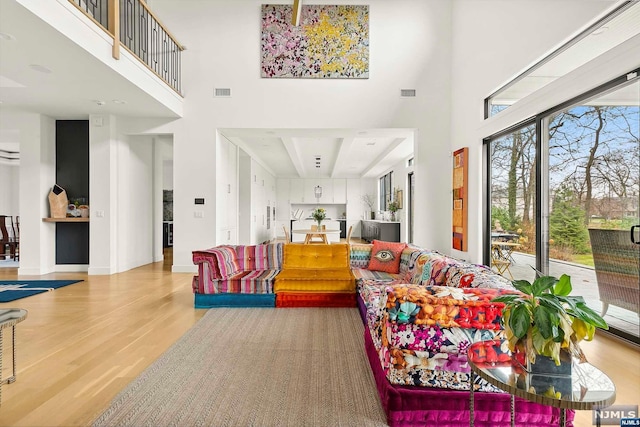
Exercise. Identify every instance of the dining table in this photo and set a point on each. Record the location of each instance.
(322, 234)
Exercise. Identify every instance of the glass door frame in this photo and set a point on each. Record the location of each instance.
(542, 201)
(542, 164)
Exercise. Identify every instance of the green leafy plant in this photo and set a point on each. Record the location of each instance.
(393, 206)
(319, 214)
(544, 319)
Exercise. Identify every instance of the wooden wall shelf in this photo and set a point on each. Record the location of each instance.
(65, 219)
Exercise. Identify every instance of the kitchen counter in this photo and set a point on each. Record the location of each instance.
(376, 229)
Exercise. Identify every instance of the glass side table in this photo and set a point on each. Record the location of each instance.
(586, 388)
(9, 317)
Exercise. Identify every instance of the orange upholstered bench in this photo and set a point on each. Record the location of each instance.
(315, 276)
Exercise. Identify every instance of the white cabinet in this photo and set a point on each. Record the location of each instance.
(339, 191)
(283, 206)
(227, 192)
(355, 207)
(232, 187)
(310, 185)
(227, 236)
(263, 199)
(296, 191)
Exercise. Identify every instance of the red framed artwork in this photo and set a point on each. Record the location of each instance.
(460, 199)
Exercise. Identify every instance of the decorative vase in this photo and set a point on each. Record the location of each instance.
(548, 378)
(319, 225)
(373, 215)
(393, 216)
(58, 202)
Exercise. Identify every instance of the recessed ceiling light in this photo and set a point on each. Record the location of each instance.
(119, 101)
(371, 143)
(40, 68)
(270, 132)
(6, 36)
(362, 132)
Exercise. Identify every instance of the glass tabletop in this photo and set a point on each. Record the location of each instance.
(11, 316)
(584, 388)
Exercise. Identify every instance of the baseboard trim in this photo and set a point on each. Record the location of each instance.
(31, 271)
(71, 268)
(100, 271)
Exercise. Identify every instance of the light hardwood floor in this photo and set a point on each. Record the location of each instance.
(81, 344)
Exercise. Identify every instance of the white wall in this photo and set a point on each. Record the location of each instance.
(167, 174)
(9, 189)
(410, 48)
(37, 175)
(135, 202)
(493, 40)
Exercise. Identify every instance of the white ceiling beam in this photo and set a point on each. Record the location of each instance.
(342, 155)
(382, 155)
(294, 155)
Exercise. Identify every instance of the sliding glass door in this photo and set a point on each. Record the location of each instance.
(594, 191)
(564, 194)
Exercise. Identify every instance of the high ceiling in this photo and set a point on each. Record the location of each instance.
(42, 71)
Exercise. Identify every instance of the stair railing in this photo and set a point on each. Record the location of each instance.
(137, 29)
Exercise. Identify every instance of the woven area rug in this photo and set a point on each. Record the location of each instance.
(257, 367)
(11, 290)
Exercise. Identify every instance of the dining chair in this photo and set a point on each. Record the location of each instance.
(349, 234)
(15, 225)
(7, 238)
(287, 236)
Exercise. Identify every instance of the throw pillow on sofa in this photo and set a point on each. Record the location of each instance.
(385, 256)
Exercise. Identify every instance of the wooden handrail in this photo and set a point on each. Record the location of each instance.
(114, 26)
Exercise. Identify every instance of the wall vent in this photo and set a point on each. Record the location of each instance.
(222, 92)
(407, 93)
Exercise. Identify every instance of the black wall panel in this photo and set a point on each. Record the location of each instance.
(72, 174)
(72, 243)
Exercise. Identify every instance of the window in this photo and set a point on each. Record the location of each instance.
(513, 201)
(617, 26)
(385, 191)
(561, 182)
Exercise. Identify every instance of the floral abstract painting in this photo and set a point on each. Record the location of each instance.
(330, 42)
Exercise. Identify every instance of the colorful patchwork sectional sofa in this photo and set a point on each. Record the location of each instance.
(421, 311)
(274, 275)
(419, 323)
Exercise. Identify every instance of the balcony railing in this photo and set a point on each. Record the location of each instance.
(134, 26)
